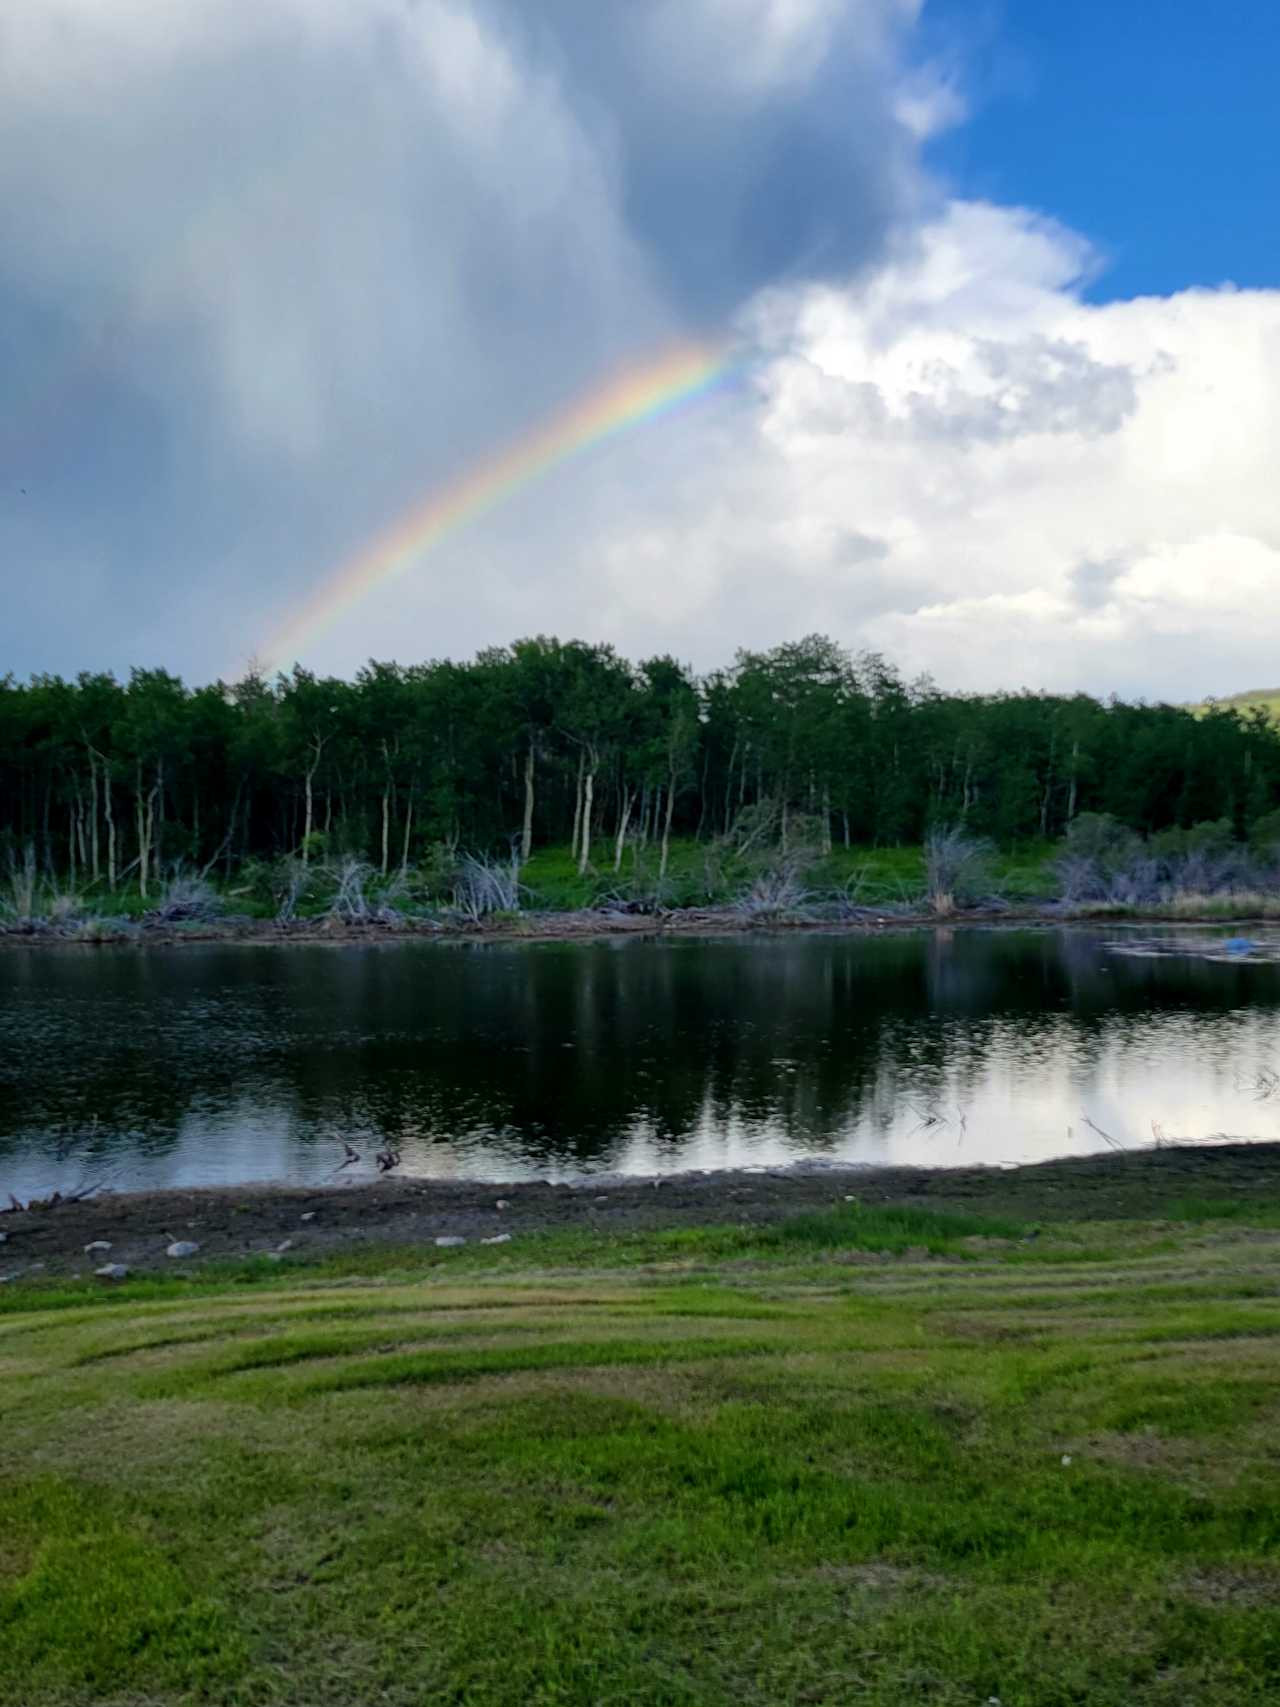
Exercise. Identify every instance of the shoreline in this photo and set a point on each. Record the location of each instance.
(584, 926)
(243, 1223)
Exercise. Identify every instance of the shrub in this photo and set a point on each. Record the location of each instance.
(185, 898)
(288, 881)
(1264, 836)
(957, 869)
(483, 887)
(20, 902)
(1099, 837)
(774, 894)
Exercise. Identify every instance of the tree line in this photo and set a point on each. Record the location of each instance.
(562, 742)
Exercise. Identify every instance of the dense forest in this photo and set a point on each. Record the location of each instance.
(543, 741)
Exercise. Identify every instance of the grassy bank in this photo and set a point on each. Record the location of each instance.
(697, 875)
(704, 884)
(874, 1453)
(872, 876)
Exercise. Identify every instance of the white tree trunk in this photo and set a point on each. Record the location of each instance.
(408, 825)
(526, 832)
(146, 820)
(588, 792)
(666, 829)
(93, 815)
(111, 833)
(628, 800)
(577, 806)
(309, 818)
(306, 821)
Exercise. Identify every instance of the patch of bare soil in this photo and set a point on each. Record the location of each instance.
(1232, 1585)
(871, 1576)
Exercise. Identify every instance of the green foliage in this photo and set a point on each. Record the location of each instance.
(798, 753)
(1264, 834)
(1103, 839)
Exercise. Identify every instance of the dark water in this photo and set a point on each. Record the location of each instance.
(227, 1064)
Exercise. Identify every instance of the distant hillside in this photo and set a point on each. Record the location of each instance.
(1268, 698)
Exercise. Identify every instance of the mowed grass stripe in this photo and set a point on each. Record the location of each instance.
(422, 1368)
(259, 1336)
(257, 1373)
(791, 1479)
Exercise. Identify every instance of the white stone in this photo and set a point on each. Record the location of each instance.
(283, 1246)
(112, 1271)
(497, 1239)
(502, 1203)
(182, 1248)
(97, 1245)
(448, 1240)
(307, 1215)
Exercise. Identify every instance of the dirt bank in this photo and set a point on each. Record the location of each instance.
(257, 1220)
(528, 927)
(578, 926)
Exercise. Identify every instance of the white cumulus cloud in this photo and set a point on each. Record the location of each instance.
(1057, 493)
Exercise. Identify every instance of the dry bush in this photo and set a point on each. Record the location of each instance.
(20, 902)
(352, 881)
(777, 893)
(483, 886)
(186, 898)
(957, 869)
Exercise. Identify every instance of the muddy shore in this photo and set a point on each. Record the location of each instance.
(255, 1221)
(528, 927)
(579, 926)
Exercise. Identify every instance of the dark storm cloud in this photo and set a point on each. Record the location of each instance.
(270, 271)
(753, 141)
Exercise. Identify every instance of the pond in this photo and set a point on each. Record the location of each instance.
(212, 1064)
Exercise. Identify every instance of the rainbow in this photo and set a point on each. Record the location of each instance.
(626, 400)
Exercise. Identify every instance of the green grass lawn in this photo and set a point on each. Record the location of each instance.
(873, 876)
(880, 1456)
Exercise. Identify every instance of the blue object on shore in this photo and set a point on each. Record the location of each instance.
(1239, 945)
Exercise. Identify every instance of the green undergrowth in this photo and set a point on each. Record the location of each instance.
(697, 876)
(872, 1454)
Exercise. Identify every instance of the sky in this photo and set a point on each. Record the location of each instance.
(1151, 130)
(989, 294)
